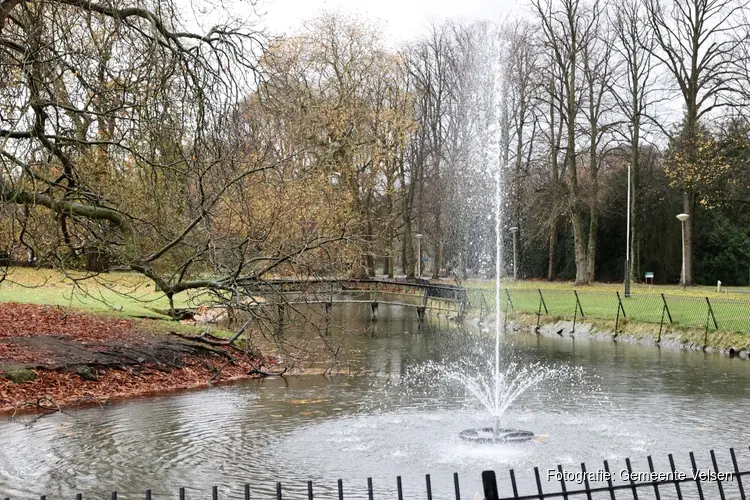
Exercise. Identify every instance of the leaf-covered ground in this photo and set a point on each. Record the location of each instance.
(125, 358)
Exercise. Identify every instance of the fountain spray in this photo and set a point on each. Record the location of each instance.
(498, 268)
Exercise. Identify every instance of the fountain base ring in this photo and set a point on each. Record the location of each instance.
(488, 435)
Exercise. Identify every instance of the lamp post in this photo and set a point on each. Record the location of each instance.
(513, 231)
(419, 255)
(627, 243)
(682, 218)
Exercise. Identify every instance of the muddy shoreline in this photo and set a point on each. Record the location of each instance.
(52, 358)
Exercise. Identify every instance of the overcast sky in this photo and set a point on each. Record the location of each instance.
(401, 19)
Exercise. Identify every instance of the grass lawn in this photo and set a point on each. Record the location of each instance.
(127, 294)
(687, 307)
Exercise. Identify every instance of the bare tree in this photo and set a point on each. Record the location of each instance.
(701, 44)
(598, 71)
(523, 88)
(128, 128)
(634, 93)
(567, 28)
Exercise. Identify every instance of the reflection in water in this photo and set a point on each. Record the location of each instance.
(640, 401)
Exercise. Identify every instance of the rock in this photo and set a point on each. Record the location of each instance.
(20, 375)
(87, 373)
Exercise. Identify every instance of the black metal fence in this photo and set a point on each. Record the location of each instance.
(709, 314)
(605, 482)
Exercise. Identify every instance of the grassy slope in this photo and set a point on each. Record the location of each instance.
(125, 293)
(118, 294)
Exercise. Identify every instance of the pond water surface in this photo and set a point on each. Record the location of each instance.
(632, 401)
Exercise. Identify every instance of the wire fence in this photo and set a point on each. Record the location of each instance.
(710, 314)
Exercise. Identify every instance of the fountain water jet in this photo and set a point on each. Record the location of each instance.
(498, 394)
(495, 385)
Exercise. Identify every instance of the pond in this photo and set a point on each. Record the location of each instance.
(631, 401)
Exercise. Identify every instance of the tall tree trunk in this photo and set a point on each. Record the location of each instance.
(389, 230)
(635, 254)
(370, 247)
(437, 257)
(688, 205)
(552, 252)
(594, 200)
(408, 250)
(579, 246)
(591, 250)
(407, 206)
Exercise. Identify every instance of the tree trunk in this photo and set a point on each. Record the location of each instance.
(579, 245)
(591, 250)
(688, 200)
(437, 256)
(408, 249)
(635, 254)
(552, 255)
(370, 259)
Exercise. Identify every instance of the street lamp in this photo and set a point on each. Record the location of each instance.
(419, 255)
(682, 218)
(514, 230)
(627, 243)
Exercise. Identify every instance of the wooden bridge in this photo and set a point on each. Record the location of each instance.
(420, 295)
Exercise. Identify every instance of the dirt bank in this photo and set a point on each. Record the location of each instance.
(731, 344)
(51, 357)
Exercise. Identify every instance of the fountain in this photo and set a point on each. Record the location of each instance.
(497, 394)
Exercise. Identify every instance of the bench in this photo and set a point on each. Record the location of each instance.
(649, 276)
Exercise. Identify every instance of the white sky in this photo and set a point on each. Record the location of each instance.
(401, 19)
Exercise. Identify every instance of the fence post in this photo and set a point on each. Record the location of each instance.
(483, 308)
(539, 312)
(575, 313)
(562, 482)
(586, 481)
(489, 482)
(663, 310)
(709, 316)
(508, 308)
(462, 307)
(328, 306)
(513, 483)
(718, 477)
(698, 484)
(619, 308)
(510, 302)
(737, 473)
(677, 483)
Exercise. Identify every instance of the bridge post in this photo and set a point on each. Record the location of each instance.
(280, 326)
(420, 313)
(374, 308)
(328, 306)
